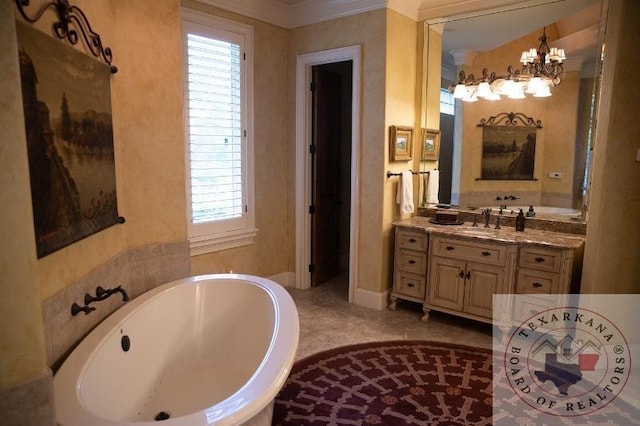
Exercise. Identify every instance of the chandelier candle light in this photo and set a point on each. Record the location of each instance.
(541, 69)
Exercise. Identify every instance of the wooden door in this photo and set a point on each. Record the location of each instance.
(481, 283)
(445, 163)
(326, 132)
(446, 283)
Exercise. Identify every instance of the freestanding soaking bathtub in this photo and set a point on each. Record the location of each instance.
(206, 350)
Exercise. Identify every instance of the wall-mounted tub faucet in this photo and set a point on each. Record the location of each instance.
(102, 294)
(76, 309)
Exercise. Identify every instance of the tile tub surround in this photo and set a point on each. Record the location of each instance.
(29, 403)
(547, 223)
(137, 271)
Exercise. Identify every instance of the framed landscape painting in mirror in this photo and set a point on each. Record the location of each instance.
(508, 147)
(430, 144)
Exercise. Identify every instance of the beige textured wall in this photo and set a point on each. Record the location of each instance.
(149, 155)
(147, 105)
(22, 352)
(430, 50)
(400, 109)
(368, 31)
(146, 97)
(554, 142)
(269, 254)
(612, 247)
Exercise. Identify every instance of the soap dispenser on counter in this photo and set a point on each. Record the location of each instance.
(520, 221)
(531, 212)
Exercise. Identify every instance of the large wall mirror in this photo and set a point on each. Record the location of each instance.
(494, 40)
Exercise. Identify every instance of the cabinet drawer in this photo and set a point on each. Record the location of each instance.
(411, 240)
(540, 259)
(530, 305)
(411, 261)
(491, 254)
(410, 284)
(532, 282)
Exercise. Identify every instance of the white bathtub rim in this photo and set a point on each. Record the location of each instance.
(539, 209)
(244, 398)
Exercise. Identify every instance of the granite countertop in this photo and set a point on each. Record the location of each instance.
(507, 234)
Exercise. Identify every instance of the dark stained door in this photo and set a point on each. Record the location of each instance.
(325, 191)
(445, 163)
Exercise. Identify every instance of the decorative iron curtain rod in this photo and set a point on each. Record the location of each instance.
(389, 174)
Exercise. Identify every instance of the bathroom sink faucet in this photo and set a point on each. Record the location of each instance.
(487, 215)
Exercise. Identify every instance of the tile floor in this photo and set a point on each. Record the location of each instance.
(328, 320)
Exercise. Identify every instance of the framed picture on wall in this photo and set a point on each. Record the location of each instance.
(400, 143)
(430, 144)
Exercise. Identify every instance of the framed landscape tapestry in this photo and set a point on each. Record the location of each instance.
(508, 147)
(67, 112)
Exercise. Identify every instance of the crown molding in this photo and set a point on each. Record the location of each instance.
(442, 10)
(313, 11)
(408, 8)
(270, 11)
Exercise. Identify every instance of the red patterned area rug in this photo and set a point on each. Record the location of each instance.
(389, 383)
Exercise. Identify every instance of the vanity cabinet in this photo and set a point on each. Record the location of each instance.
(410, 266)
(543, 271)
(464, 275)
(458, 269)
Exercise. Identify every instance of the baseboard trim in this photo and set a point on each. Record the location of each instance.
(285, 279)
(371, 299)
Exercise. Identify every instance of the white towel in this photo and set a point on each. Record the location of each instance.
(422, 189)
(404, 196)
(433, 187)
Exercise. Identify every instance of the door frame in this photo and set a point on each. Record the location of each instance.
(304, 64)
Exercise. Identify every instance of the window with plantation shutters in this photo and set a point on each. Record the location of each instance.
(217, 86)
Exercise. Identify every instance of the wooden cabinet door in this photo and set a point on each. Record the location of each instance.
(481, 283)
(446, 282)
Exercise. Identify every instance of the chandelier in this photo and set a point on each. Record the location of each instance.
(541, 69)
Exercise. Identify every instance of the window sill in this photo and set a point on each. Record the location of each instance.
(203, 244)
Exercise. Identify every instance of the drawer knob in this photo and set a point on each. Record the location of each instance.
(411, 285)
(539, 259)
(411, 262)
(486, 253)
(450, 248)
(461, 273)
(412, 240)
(536, 284)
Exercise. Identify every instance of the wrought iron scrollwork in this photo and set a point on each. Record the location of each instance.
(70, 20)
(510, 119)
